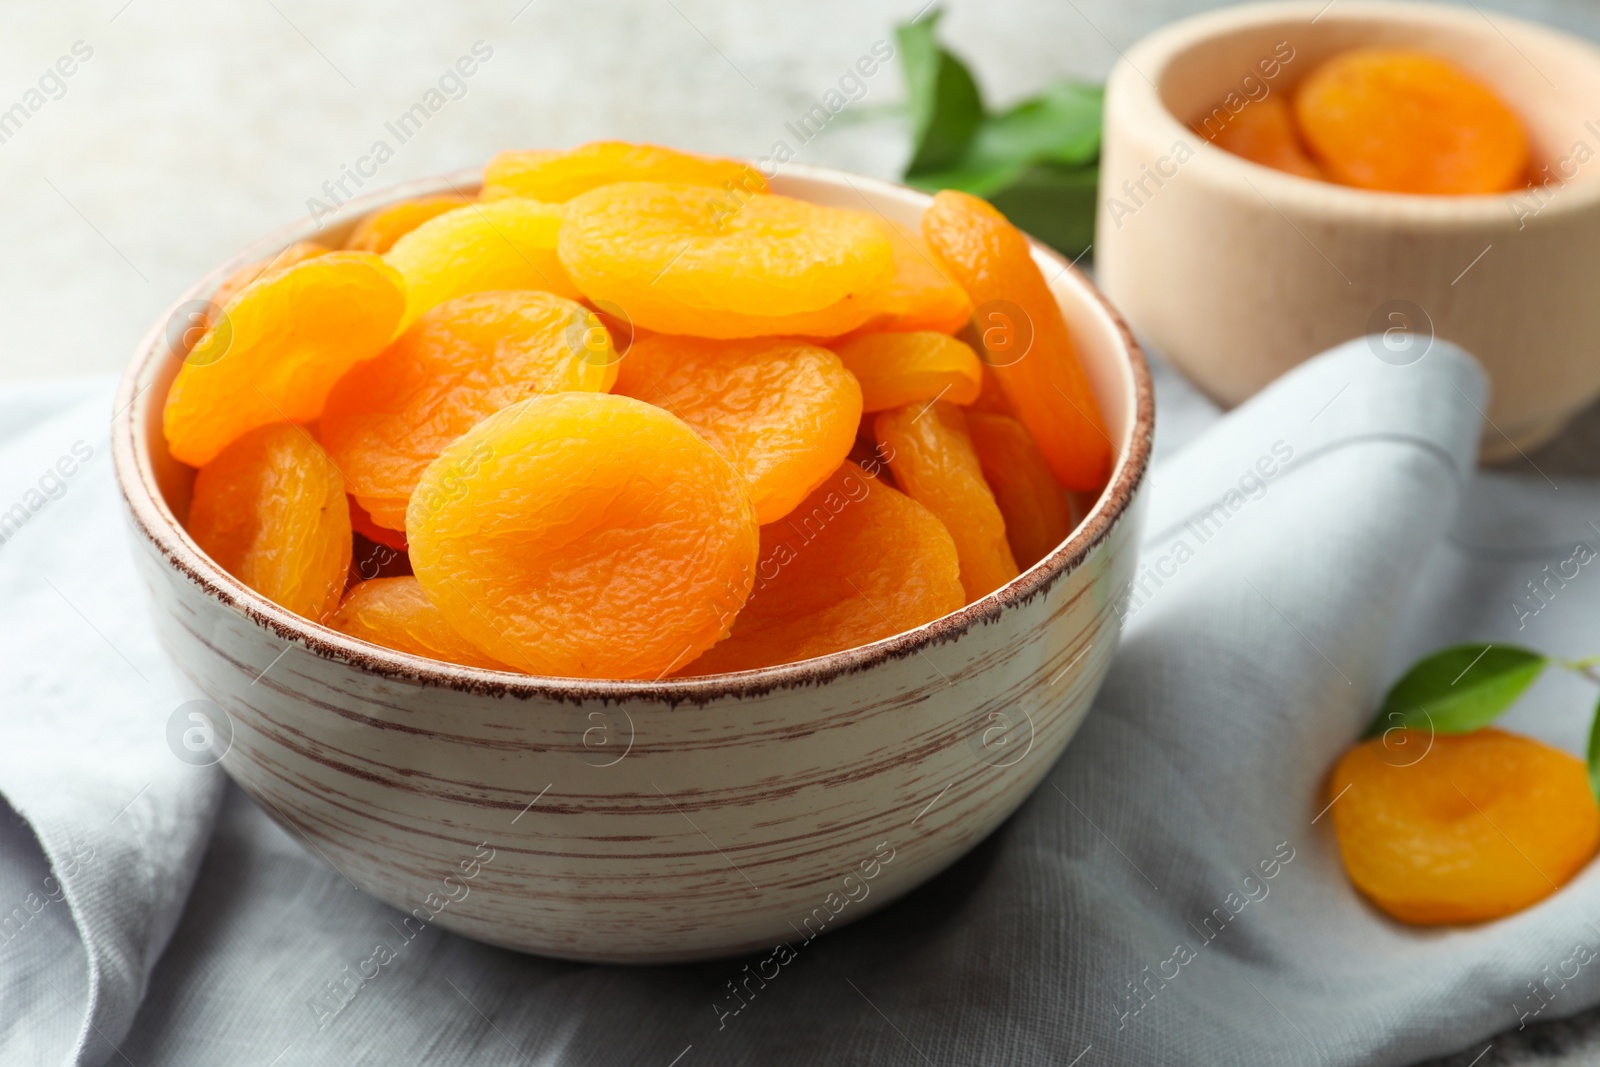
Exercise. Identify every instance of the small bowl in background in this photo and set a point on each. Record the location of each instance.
(1236, 272)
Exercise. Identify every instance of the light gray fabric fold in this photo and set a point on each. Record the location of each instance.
(120, 821)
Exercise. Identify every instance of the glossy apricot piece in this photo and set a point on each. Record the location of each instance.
(379, 231)
(1483, 825)
(465, 359)
(678, 259)
(1403, 121)
(856, 562)
(1031, 502)
(557, 175)
(585, 535)
(783, 411)
(992, 395)
(1264, 133)
(920, 296)
(934, 462)
(235, 283)
(1046, 383)
(270, 510)
(397, 614)
(895, 369)
(280, 346)
(508, 244)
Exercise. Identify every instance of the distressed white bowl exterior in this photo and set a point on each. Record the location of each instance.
(650, 822)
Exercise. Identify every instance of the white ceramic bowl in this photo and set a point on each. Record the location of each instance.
(650, 821)
(1237, 272)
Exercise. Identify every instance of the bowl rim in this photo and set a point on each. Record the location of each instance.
(154, 521)
(1143, 67)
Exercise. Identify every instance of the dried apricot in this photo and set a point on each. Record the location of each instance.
(556, 175)
(858, 561)
(585, 535)
(462, 361)
(783, 411)
(234, 283)
(1264, 133)
(1482, 825)
(1031, 502)
(921, 296)
(992, 395)
(397, 614)
(900, 368)
(509, 244)
(935, 464)
(379, 231)
(1403, 121)
(681, 260)
(991, 260)
(270, 510)
(278, 349)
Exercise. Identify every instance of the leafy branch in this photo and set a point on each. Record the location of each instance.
(1466, 687)
(1038, 161)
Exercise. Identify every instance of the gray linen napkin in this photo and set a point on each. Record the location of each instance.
(105, 826)
(1169, 895)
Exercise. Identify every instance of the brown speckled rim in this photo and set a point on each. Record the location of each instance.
(154, 521)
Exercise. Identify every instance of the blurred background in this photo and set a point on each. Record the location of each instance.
(189, 129)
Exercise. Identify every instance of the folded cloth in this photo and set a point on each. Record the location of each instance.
(1172, 892)
(107, 825)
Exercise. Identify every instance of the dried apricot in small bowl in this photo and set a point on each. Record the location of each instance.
(270, 510)
(557, 175)
(783, 411)
(681, 260)
(463, 360)
(1479, 826)
(280, 345)
(584, 535)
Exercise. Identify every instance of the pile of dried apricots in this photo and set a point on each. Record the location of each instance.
(1387, 119)
(627, 413)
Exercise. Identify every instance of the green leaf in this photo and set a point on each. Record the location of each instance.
(1055, 204)
(1594, 755)
(946, 107)
(1458, 689)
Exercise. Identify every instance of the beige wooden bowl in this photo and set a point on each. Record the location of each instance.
(638, 821)
(1237, 272)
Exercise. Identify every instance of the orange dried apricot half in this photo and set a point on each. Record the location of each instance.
(465, 359)
(1483, 825)
(921, 296)
(509, 244)
(584, 535)
(278, 349)
(1034, 508)
(992, 395)
(1402, 121)
(379, 231)
(935, 464)
(895, 369)
(858, 561)
(679, 259)
(1046, 384)
(556, 176)
(397, 614)
(783, 411)
(235, 283)
(1264, 133)
(270, 510)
